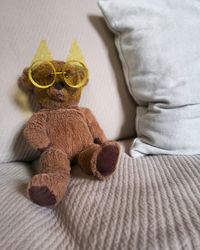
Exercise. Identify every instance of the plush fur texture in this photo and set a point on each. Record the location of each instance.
(64, 133)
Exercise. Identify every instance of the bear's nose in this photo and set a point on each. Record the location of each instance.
(59, 85)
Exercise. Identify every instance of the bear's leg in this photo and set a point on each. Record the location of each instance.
(48, 187)
(99, 160)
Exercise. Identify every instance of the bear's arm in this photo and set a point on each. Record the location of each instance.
(94, 127)
(35, 131)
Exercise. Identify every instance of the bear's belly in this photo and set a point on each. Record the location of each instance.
(68, 131)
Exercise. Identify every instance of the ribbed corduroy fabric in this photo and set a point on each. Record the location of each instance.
(149, 203)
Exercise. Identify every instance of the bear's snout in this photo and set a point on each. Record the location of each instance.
(59, 85)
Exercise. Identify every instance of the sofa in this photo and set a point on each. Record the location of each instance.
(150, 202)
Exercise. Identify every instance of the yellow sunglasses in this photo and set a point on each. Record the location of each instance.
(42, 74)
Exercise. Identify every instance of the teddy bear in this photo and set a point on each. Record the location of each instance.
(64, 133)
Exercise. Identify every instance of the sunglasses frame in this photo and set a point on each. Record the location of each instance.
(71, 62)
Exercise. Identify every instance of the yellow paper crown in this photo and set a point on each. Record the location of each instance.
(43, 53)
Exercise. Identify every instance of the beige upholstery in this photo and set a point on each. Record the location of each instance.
(149, 203)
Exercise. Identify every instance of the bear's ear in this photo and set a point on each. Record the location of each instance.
(24, 82)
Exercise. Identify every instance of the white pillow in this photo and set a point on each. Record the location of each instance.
(159, 45)
(23, 25)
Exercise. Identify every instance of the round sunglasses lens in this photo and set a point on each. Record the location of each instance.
(75, 74)
(43, 74)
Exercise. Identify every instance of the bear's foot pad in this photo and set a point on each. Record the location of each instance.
(107, 159)
(42, 196)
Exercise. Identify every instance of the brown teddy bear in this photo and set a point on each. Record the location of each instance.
(64, 133)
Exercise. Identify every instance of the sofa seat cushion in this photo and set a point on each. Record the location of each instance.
(149, 203)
